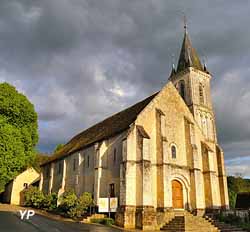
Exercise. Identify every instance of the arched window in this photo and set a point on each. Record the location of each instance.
(201, 93)
(173, 151)
(182, 89)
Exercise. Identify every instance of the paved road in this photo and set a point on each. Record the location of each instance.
(11, 222)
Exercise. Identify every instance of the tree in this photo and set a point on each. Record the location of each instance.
(58, 147)
(236, 184)
(18, 133)
(40, 159)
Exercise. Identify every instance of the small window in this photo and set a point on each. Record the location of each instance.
(74, 164)
(112, 190)
(173, 151)
(114, 156)
(88, 161)
(25, 185)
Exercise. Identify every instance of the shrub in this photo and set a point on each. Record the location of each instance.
(85, 201)
(33, 197)
(221, 217)
(68, 201)
(232, 219)
(72, 206)
(82, 204)
(103, 221)
(50, 202)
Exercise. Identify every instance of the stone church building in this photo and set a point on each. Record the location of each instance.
(156, 156)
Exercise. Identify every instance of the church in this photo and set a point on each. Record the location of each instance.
(157, 156)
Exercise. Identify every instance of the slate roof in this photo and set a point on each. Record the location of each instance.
(111, 126)
(243, 201)
(188, 56)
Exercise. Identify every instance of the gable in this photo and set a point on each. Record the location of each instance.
(169, 95)
(28, 172)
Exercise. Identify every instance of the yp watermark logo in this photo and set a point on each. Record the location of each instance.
(26, 214)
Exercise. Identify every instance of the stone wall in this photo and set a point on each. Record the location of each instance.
(243, 214)
(57, 176)
(45, 173)
(13, 194)
(167, 122)
(91, 169)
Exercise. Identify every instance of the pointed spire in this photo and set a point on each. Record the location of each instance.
(188, 55)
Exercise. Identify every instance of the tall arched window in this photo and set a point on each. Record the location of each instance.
(201, 93)
(182, 89)
(173, 151)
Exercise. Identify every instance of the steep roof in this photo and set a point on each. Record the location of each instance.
(188, 55)
(109, 127)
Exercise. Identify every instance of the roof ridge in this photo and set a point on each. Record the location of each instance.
(108, 127)
(113, 115)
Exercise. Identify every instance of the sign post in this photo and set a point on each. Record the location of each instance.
(109, 206)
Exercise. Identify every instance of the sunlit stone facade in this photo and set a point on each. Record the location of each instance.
(163, 158)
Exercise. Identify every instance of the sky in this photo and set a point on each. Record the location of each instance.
(79, 61)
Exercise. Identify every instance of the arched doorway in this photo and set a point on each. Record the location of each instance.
(177, 194)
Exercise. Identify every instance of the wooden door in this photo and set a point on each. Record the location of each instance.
(177, 194)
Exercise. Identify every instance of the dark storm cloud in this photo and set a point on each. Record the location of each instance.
(82, 60)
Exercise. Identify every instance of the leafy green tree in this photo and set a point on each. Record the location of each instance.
(58, 147)
(18, 133)
(40, 159)
(236, 184)
(232, 198)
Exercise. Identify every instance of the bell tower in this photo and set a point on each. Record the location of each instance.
(192, 80)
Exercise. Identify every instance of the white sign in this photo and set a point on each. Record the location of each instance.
(113, 204)
(103, 205)
(106, 205)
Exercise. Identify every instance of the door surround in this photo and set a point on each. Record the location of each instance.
(185, 181)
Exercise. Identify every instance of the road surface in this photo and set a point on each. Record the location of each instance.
(11, 222)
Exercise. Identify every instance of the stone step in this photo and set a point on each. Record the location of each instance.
(223, 227)
(185, 221)
(226, 227)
